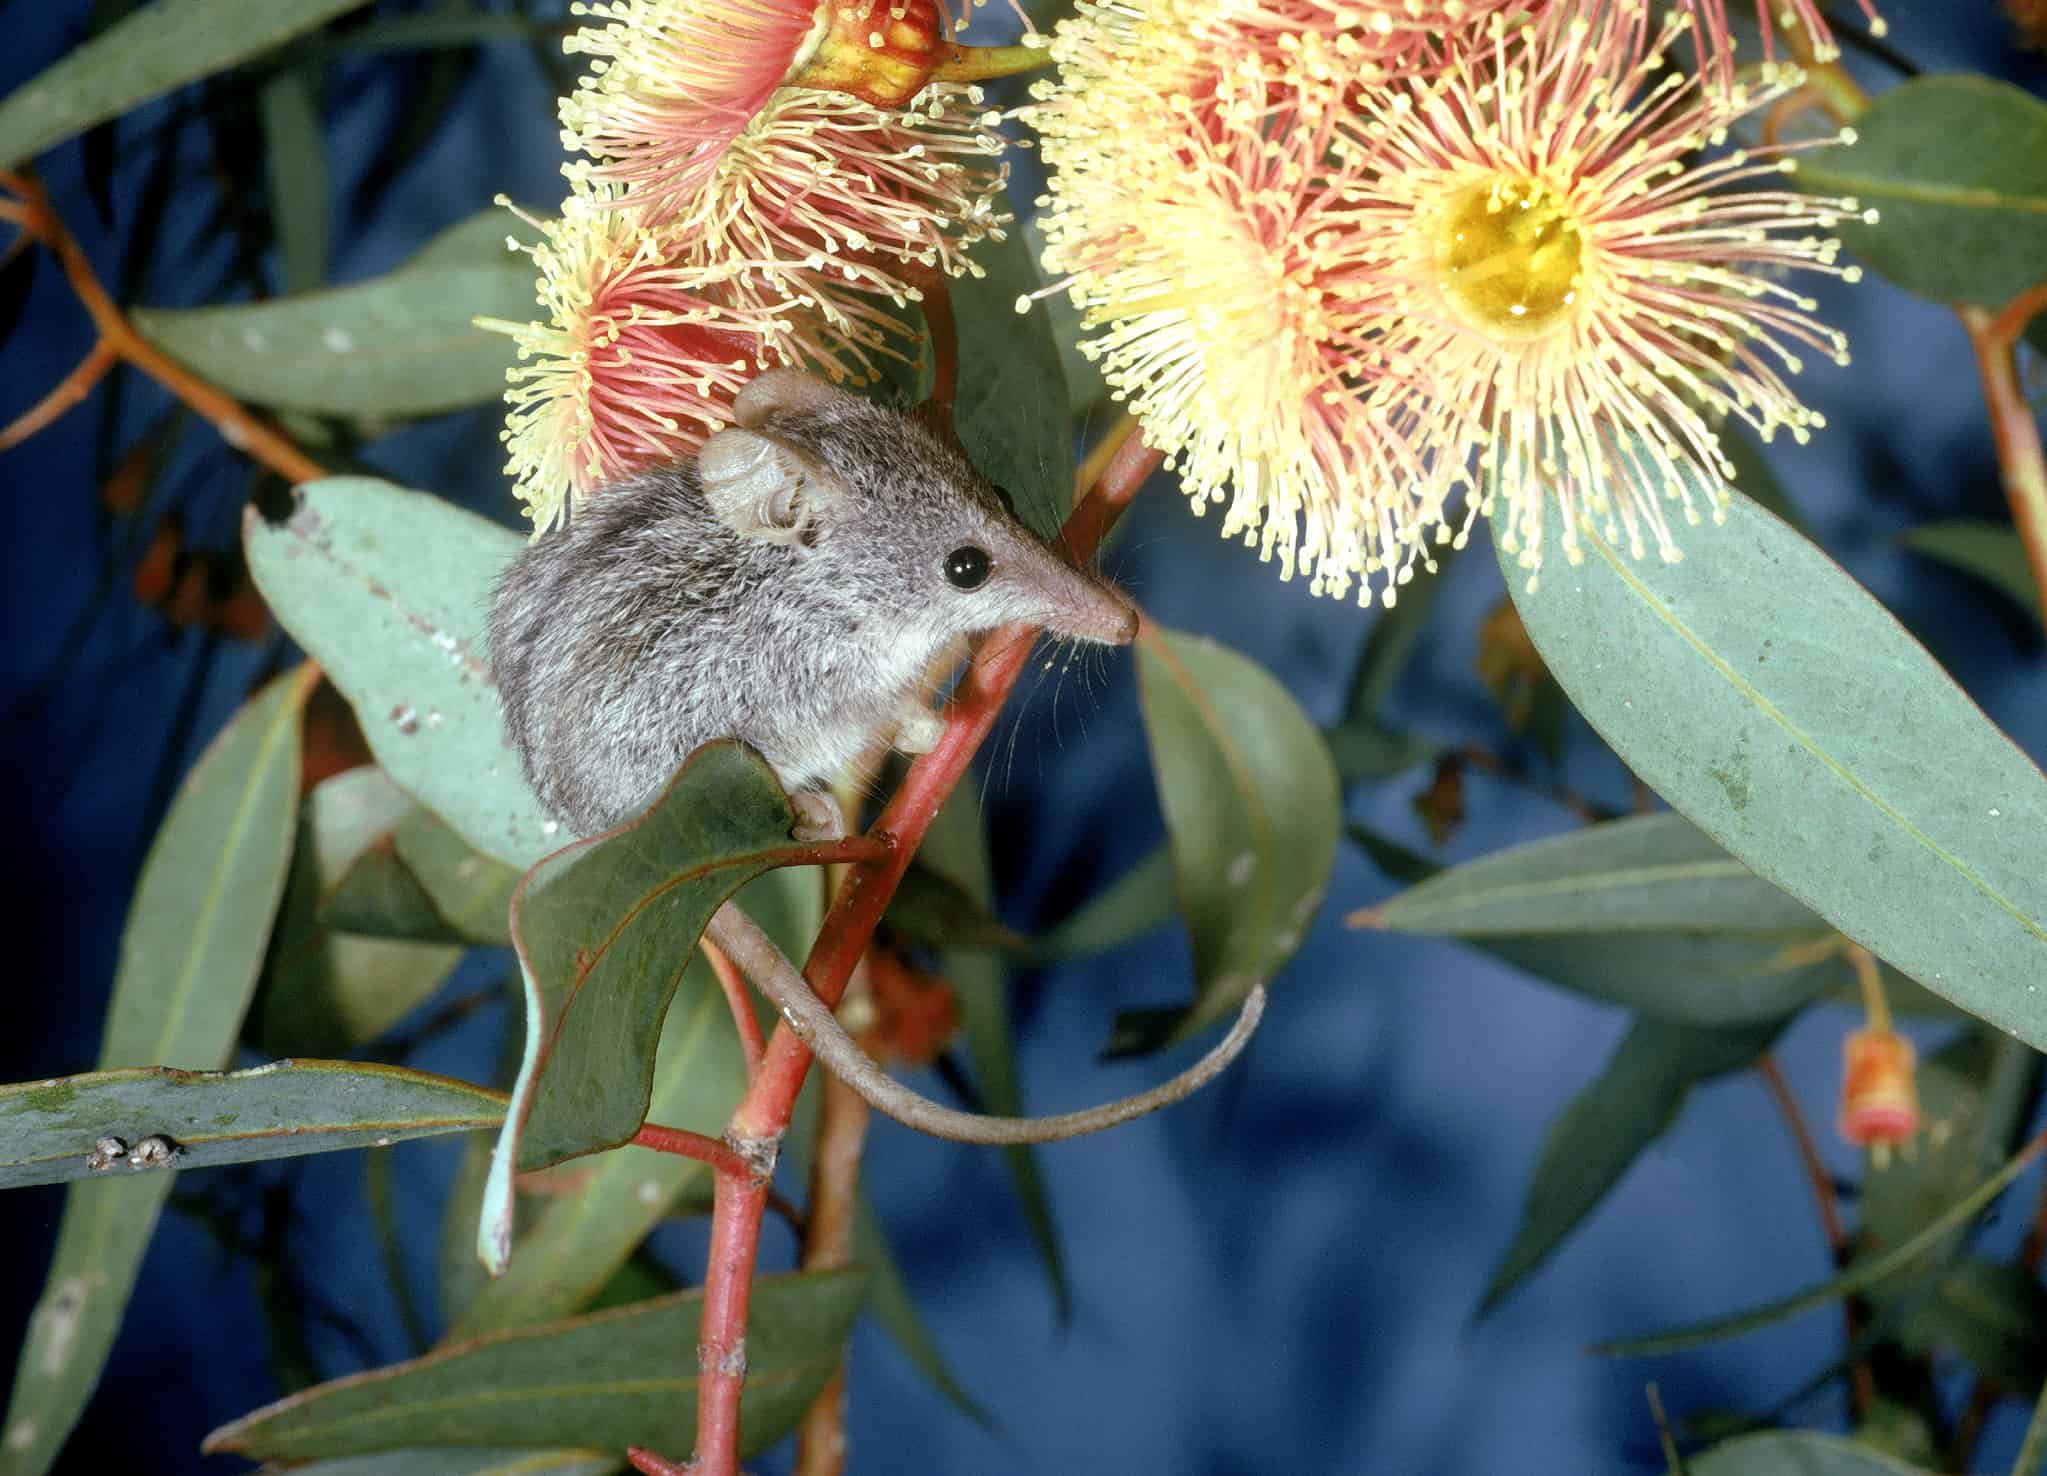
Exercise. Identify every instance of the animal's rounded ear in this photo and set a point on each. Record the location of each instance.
(760, 488)
(781, 390)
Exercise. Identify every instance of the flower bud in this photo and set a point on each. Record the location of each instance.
(880, 51)
(1879, 1099)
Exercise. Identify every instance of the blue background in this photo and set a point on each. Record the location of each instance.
(1280, 1275)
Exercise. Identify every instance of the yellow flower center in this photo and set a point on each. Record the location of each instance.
(1509, 254)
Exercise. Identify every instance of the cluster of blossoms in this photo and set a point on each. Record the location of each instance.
(761, 183)
(1361, 267)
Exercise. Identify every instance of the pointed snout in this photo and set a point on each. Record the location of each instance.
(1094, 610)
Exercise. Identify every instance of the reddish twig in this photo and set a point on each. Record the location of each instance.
(685, 1144)
(757, 1124)
(751, 1042)
(67, 392)
(240, 429)
(1994, 337)
(842, 1120)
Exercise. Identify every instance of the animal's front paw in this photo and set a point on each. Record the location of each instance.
(817, 817)
(918, 729)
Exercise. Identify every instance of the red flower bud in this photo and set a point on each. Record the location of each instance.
(1879, 1099)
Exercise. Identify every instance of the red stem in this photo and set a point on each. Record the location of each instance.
(762, 1116)
(686, 1144)
(744, 1020)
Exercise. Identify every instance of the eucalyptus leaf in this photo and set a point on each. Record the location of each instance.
(1010, 409)
(1252, 807)
(190, 952)
(1797, 1453)
(48, 1129)
(1991, 1314)
(1608, 1125)
(1990, 551)
(465, 1461)
(1765, 695)
(1136, 902)
(931, 908)
(484, 239)
(388, 590)
(605, 1381)
(579, 1239)
(398, 345)
(295, 163)
(157, 48)
(605, 929)
(1956, 168)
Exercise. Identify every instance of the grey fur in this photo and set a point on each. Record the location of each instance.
(651, 625)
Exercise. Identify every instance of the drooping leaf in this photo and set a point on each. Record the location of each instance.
(398, 345)
(576, 1242)
(1128, 907)
(1990, 551)
(159, 47)
(1956, 168)
(1252, 807)
(604, 1381)
(1011, 407)
(48, 1129)
(1607, 1127)
(957, 843)
(388, 590)
(295, 164)
(930, 907)
(324, 993)
(604, 930)
(1796, 1453)
(190, 951)
(1765, 695)
(890, 1302)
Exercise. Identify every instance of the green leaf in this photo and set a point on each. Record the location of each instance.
(1361, 744)
(288, 1108)
(482, 239)
(415, 878)
(1607, 1126)
(1990, 551)
(1764, 694)
(1957, 169)
(1010, 410)
(1128, 907)
(461, 1461)
(1861, 1276)
(324, 994)
(1753, 477)
(890, 1303)
(1252, 807)
(1796, 1453)
(1991, 1314)
(604, 1381)
(398, 345)
(190, 951)
(931, 908)
(388, 590)
(295, 160)
(161, 46)
(605, 929)
(957, 843)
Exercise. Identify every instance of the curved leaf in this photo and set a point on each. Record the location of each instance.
(398, 345)
(1957, 170)
(1990, 551)
(1763, 693)
(1252, 807)
(388, 590)
(1797, 1453)
(295, 164)
(604, 1381)
(604, 930)
(1011, 405)
(190, 952)
(48, 1128)
(159, 47)
(1128, 907)
(1607, 1126)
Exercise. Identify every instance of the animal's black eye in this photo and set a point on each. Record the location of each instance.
(967, 567)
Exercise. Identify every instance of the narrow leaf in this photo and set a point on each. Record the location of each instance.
(930, 907)
(1252, 807)
(295, 165)
(605, 1381)
(398, 345)
(1011, 406)
(159, 47)
(388, 590)
(190, 952)
(1956, 168)
(482, 239)
(890, 1303)
(461, 1461)
(1763, 693)
(1607, 1127)
(1128, 907)
(604, 930)
(48, 1129)
(1990, 551)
